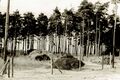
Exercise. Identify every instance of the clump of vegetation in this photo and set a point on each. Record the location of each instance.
(106, 60)
(67, 62)
(42, 57)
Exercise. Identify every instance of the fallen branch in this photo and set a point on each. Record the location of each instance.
(4, 66)
(57, 67)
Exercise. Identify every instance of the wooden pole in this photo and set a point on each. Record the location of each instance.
(113, 55)
(102, 61)
(6, 31)
(3, 68)
(9, 68)
(52, 64)
(6, 34)
(12, 65)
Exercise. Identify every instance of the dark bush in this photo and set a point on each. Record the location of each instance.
(67, 56)
(42, 57)
(38, 58)
(45, 57)
(106, 60)
(68, 63)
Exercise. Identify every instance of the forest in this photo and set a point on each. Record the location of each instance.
(88, 31)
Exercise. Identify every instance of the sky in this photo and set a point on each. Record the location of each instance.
(45, 6)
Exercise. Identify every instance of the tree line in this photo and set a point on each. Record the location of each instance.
(89, 25)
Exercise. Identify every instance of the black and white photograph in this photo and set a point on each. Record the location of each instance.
(59, 40)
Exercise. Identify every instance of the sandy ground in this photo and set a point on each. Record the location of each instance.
(27, 69)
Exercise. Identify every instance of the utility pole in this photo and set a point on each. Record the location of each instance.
(6, 31)
(6, 37)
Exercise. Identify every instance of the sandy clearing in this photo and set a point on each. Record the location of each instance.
(44, 74)
(91, 71)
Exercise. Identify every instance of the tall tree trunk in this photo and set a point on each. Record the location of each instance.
(15, 44)
(32, 43)
(87, 47)
(19, 47)
(28, 44)
(71, 45)
(99, 39)
(40, 42)
(44, 44)
(115, 21)
(47, 43)
(14, 54)
(80, 54)
(83, 34)
(56, 43)
(102, 61)
(90, 48)
(52, 53)
(76, 46)
(87, 44)
(65, 44)
(37, 44)
(0, 46)
(12, 46)
(96, 52)
(119, 52)
(68, 45)
(59, 49)
(87, 50)
(23, 45)
(12, 59)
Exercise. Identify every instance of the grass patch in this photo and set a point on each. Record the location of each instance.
(24, 62)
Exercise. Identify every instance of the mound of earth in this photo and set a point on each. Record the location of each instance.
(34, 53)
(67, 62)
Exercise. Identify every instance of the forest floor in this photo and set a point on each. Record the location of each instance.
(27, 69)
